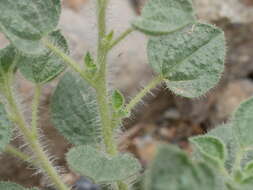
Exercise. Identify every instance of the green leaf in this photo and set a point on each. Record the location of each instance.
(173, 170)
(45, 67)
(224, 133)
(7, 58)
(191, 60)
(90, 66)
(243, 124)
(249, 168)
(5, 129)
(12, 186)
(109, 37)
(165, 16)
(246, 184)
(25, 22)
(100, 167)
(118, 100)
(74, 111)
(211, 147)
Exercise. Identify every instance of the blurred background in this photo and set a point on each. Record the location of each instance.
(162, 117)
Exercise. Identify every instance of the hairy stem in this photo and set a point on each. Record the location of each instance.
(156, 81)
(33, 142)
(101, 20)
(121, 37)
(18, 154)
(101, 88)
(35, 109)
(71, 63)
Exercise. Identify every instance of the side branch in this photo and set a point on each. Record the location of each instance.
(157, 80)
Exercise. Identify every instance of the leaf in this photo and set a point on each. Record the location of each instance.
(90, 66)
(242, 124)
(89, 61)
(25, 22)
(172, 168)
(224, 132)
(101, 168)
(45, 67)
(12, 186)
(118, 100)
(7, 58)
(191, 60)
(169, 166)
(211, 147)
(246, 184)
(74, 111)
(5, 129)
(165, 16)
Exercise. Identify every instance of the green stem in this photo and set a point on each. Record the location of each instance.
(71, 63)
(105, 115)
(101, 20)
(18, 154)
(35, 108)
(157, 80)
(101, 87)
(121, 37)
(33, 142)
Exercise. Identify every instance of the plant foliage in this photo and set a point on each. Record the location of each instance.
(186, 55)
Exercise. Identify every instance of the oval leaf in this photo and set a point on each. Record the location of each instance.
(172, 168)
(5, 129)
(192, 60)
(25, 22)
(118, 100)
(243, 124)
(74, 111)
(101, 168)
(165, 16)
(224, 132)
(211, 147)
(47, 66)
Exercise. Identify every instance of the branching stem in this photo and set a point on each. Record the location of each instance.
(156, 81)
(121, 37)
(33, 142)
(71, 63)
(16, 153)
(101, 87)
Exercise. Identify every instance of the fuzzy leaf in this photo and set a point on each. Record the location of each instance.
(172, 169)
(211, 147)
(165, 16)
(192, 60)
(249, 168)
(90, 66)
(243, 124)
(47, 66)
(12, 186)
(7, 57)
(5, 129)
(25, 22)
(224, 132)
(101, 168)
(74, 111)
(118, 100)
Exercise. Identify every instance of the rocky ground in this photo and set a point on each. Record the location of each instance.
(164, 117)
